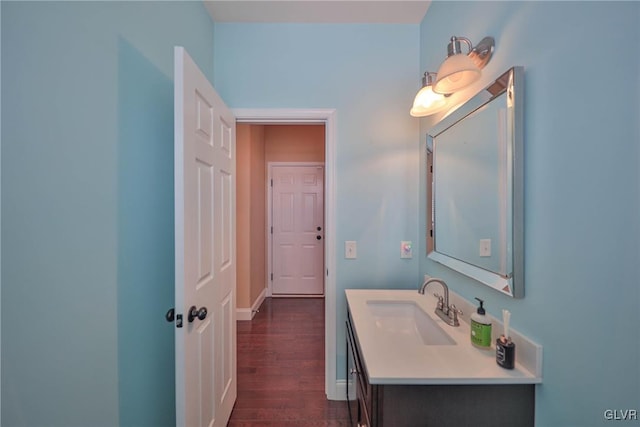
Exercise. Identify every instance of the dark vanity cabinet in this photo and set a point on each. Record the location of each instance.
(359, 391)
(437, 405)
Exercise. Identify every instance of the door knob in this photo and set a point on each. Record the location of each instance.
(195, 313)
(319, 237)
(319, 228)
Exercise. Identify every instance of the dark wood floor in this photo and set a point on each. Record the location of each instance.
(281, 368)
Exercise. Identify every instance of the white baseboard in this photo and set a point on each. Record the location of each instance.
(244, 314)
(248, 313)
(339, 391)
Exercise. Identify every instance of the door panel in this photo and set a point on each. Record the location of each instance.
(205, 238)
(205, 222)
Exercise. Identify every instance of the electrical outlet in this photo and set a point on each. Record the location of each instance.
(406, 249)
(350, 249)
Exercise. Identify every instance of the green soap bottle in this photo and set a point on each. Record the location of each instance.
(480, 328)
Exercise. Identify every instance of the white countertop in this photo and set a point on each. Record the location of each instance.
(390, 361)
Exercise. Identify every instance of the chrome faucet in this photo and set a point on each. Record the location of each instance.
(448, 313)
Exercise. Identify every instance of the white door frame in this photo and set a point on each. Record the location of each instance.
(328, 117)
(270, 165)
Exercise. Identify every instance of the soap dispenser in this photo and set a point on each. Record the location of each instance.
(480, 328)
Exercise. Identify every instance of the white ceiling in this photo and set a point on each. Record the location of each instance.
(318, 11)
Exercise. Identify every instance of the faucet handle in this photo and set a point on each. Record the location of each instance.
(455, 309)
(440, 300)
(453, 314)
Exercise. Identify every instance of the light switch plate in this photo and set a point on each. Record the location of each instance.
(485, 247)
(350, 249)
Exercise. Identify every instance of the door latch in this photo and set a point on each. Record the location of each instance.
(171, 316)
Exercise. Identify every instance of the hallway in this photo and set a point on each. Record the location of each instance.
(281, 368)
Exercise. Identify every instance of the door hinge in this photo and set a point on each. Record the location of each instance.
(431, 169)
(272, 277)
(178, 320)
(272, 183)
(430, 233)
(271, 229)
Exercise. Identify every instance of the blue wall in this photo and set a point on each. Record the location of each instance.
(582, 164)
(87, 195)
(87, 208)
(369, 74)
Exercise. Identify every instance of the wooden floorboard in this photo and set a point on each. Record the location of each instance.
(281, 368)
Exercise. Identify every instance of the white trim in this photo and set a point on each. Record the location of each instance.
(341, 390)
(268, 235)
(244, 314)
(270, 165)
(328, 117)
(249, 313)
(283, 115)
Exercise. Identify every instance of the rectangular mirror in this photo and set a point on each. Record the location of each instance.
(475, 173)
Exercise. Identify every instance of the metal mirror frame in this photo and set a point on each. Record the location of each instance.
(512, 83)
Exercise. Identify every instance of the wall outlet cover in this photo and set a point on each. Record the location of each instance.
(406, 249)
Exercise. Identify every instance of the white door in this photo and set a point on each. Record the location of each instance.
(298, 230)
(206, 386)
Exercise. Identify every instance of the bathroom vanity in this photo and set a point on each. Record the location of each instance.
(408, 368)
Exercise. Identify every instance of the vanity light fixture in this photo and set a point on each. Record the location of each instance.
(427, 102)
(460, 70)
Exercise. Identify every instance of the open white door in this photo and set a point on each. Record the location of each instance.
(206, 385)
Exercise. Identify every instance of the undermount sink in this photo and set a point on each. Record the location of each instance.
(407, 320)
